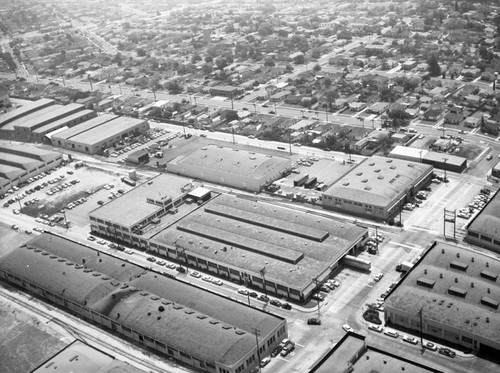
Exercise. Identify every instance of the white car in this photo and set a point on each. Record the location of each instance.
(347, 328)
(207, 278)
(243, 291)
(376, 328)
(216, 281)
(195, 274)
(409, 339)
(391, 333)
(430, 346)
(378, 277)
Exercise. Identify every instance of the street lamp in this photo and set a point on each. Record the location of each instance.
(445, 160)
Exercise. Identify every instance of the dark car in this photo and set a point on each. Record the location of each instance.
(276, 351)
(447, 352)
(180, 269)
(275, 302)
(286, 306)
(253, 294)
(263, 298)
(313, 321)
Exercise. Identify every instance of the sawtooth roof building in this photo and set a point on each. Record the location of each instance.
(230, 237)
(19, 162)
(484, 229)
(97, 134)
(24, 108)
(235, 168)
(458, 293)
(255, 243)
(194, 326)
(377, 188)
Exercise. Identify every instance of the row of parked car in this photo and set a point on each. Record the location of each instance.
(476, 205)
(265, 298)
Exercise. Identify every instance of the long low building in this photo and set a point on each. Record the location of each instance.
(234, 238)
(484, 229)
(456, 293)
(19, 162)
(199, 328)
(97, 134)
(235, 168)
(23, 108)
(377, 188)
(442, 161)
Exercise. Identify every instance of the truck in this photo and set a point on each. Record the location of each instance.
(128, 181)
(300, 181)
(404, 267)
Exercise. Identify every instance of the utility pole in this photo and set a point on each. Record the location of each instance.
(445, 179)
(232, 104)
(421, 329)
(232, 132)
(376, 237)
(91, 88)
(316, 291)
(263, 274)
(19, 201)
(65, 220)
(257, 333)
(180, 251)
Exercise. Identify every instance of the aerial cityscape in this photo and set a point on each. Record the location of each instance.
(249, 186)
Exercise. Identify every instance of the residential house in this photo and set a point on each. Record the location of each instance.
(455, 115)
(434, 113)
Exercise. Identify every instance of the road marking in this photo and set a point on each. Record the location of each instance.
(403, 245)
(298, 344)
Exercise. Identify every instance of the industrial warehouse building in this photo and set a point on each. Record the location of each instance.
(456, 293)
(22, 109)
(234, 238)
(139, 214)
(353, 354)
(442, 161)
(97, 134)
(377, 188)
(484, 229)
(235, 168)
(257, 243)
(20, 162)
(194, 326)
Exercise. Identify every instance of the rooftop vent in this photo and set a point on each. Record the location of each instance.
(472, 259)
(377, 170)
(392, 167)
(364, 180)
(359, 173)
(410, 165)
(389, 161)
(368, 188)
(487, 264)
(371, 164)
(442, 251)
(380, 177)
(471, 284)
(458, 255)
(345, 184)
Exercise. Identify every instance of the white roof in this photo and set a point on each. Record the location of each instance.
(407, 152)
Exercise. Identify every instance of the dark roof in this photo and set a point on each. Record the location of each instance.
(195, 321)
(487, 222)
(454, 286)
(294, 246)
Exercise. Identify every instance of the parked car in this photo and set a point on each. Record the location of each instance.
(376, 328)
(195, 274)
(275, 302)
(286, 306)
(391, 333)
(447, 352)
(430, 346)
(347, 328)
(243, 291)
(313, 321)
(410, 339)
(265, 361)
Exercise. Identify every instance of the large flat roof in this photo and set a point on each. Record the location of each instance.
(85, 126)
(16, 158)
(89, 360)
(232, 161)
(294, 246)
(132, 207)
(9, 172)
(107, 130)
(46, 114)
(61, 122)
(487, 222)
(454, 286)
(378, 180)
(191, 319)
(26, 106)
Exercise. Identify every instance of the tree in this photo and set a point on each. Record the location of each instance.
(433, 68)
(299, 60)
(317, 68)
(220, 62)
(140, 52)
(269, 62)
(229, 115)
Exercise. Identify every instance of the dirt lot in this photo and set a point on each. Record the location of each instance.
(18, 330)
